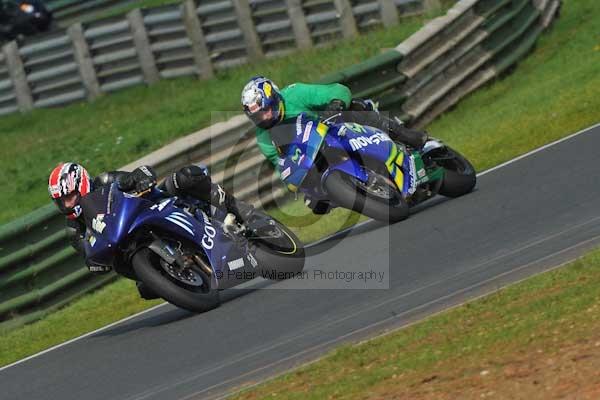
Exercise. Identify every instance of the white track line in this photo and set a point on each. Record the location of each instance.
(312, 244)
(544, 147)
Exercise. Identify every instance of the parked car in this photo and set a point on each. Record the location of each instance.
(23, 18)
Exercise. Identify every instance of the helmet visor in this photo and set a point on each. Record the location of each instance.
(264, 118)
(67, 204)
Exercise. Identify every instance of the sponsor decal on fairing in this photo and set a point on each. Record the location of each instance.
(286, 172)
(252, 260)
(360, 142)
(209, 233)
(236, 264)
(307, 132)
(98, 223)
(181, 220)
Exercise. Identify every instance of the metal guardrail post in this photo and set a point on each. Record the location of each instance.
(194, 32)
(18, 76)
(84, 61)
(389, 12)
(432, 5)
(299, 25)
(142, 46)
(346, 16)
(246, 23)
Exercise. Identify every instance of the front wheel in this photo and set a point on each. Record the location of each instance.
(279, 252)
(378, 198)
(187, 288)
(459, 175)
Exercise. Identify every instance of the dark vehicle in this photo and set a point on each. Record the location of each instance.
(23, 18)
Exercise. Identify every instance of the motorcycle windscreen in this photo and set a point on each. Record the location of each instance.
(108, 213)
(302, 151)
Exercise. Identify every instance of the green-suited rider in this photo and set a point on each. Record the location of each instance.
(267, 106)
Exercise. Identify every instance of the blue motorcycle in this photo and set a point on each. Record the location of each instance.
(179, 247)
(362, 169)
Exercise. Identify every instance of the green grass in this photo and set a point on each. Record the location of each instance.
(122, 127)
(554, 92)
(549, 96)
(545, 312)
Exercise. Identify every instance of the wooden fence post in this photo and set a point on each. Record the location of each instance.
(194, 32)
(244, 18)
(389, 12)
(430, 5)
(299, 25)
(344, 9)
(84, 61)
(142, 46)
(18, 76)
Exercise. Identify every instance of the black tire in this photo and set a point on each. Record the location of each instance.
(459, 175)
(145, 266)
(280, 257)
(345, 193)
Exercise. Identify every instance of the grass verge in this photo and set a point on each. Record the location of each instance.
(548, 96)
(553, 92)
(538, 339)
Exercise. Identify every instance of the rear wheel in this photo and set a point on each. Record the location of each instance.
(378, 198)
(279, 252)
(188, 288)
(459, 175)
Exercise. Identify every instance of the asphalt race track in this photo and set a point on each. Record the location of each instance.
(525, 217)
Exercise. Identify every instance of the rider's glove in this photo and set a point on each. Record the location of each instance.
(139, 180)
(74, 231)
(336, 105)
(230, 225)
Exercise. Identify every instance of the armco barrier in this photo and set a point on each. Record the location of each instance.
(422, 77)
(189, 38)
(450, 57)
(66, 11)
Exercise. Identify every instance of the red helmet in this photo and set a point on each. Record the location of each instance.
(68, 182)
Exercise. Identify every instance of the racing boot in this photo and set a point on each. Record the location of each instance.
(400, 133)
(317, 207)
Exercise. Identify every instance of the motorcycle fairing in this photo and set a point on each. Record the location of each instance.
(225, 258)
(125, 214)
(362, 142)
(359, 142)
